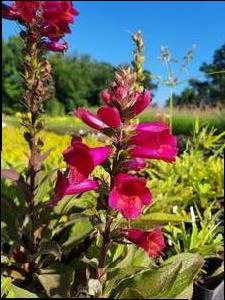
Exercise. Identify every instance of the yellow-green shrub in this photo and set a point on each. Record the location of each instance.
(15, 149)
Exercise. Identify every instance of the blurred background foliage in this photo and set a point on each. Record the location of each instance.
(78, 81)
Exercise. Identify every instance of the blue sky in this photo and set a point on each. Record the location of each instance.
(103, 30)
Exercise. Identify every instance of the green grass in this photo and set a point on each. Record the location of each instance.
(183, 121)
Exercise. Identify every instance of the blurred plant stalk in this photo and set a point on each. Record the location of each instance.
(36, 79)
(138, 60)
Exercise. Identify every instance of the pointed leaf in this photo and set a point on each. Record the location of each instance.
(57, 280)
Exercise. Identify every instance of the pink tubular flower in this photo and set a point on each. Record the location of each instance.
(56, 46)
(142, 102)
(153, 141)
(152, 242)
(129, 195)
(134, 164)
(106, 96)
(9, 12)
(82, 160)
(53, 19)
(57, 16)
(110, 116)
(120, 93)
(107, 117)
(65, 186)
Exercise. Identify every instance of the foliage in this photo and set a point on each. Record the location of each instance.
(60, 242)
(195, 178)
(78, 80)
(15, 149)
(11, 68)
(204, 237)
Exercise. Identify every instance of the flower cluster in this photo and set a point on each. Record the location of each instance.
(81, 161)
(52, 19)
(132, 145)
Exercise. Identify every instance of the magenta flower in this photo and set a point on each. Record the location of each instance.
(142, 102)
(134, 164)
(9, 12)
(152, 242)
(121, 96)
(106, 96)
(110, 116)
(153, 141)
(82, 160)
(67, 186)
(107, 117)
(22, 11)
(129, 195)
(56, 46)
(55, 17)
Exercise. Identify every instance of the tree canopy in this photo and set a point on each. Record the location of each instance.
(78, 80)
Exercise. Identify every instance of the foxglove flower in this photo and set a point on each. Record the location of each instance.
(135, 164)
(153, 141)
(106, 96)
(22, 11)
(152, 242)
(142, 102)
(51, 18)
(107, 117)
(56, 46)
(65, 186)
(82, 160)
(129, 195)
(123, 95)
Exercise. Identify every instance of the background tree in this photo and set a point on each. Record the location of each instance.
(77, 79)
(11, 80)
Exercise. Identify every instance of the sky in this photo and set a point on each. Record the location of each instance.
(103, 30)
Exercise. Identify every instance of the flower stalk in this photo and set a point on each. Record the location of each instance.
(36, 81)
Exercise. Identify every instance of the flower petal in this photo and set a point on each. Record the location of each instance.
(100, 154)
(56, 46)
(106, 96)
(151, 241)
(78, 157)
(84, 186)
(142, 102)
(135, 164)
(165, 152)
(152, 127)
(90, 119)
(146, 197)
(110, 116)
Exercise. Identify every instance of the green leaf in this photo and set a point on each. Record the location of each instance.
(17, 292)
(5, 285)
(116, 275)
(57, 280)
(49, 248)
(191, 265)
(149, 283)
(131, 294)
(150, 220)
(9, 290)
(44, 184)
(93, 262)
(78, 204)
(80, 230)
(117, 252)
(172, 280)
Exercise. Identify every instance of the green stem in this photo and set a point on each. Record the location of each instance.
(171, 110)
